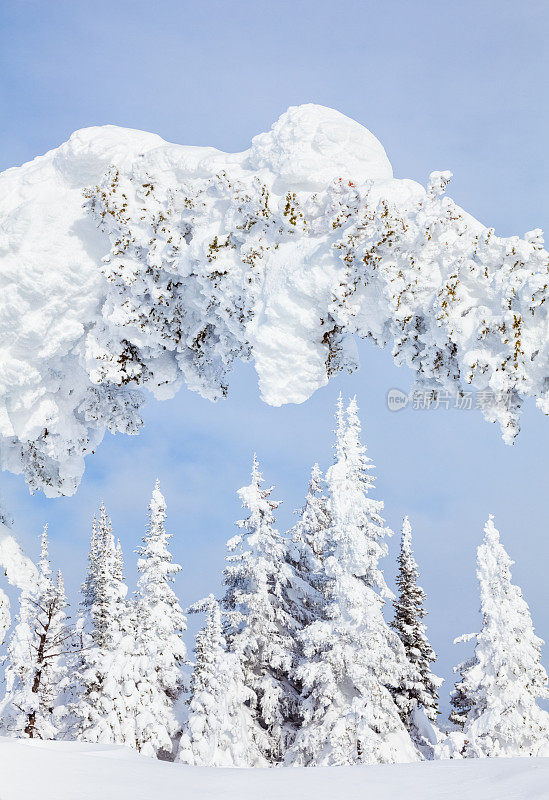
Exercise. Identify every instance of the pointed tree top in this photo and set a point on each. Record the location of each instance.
(341, 425)
(257, 477)
(406, 534)
(105, 524)
(351, 413)
(340, 415)
(492, 555)
(316, 477)
(253, 496)
(44, 563)
(352, 408)
(491, 533)
(158, 501)
(210, 604)
(44, 542)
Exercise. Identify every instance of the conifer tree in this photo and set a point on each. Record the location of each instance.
(36, 671)
(159, 648)
(350, 657)
(305, 549)
(88, 588)
(217, 730)
(495, 701)
(303, 588)
(105, 694)
(420, 687)
(259, 627)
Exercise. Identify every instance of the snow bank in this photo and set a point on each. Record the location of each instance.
(127, 263)
(69, 770)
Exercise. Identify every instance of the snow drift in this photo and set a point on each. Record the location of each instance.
(127, 263)
(67, 770)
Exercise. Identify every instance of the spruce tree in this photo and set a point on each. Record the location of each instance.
(303, 587)
(259, 624)
(305, 549)
(104, 691)
(159, 648)
(88, 588)
(495, 701)
(420, 687)
(350, 657)
(36, 671)
(217, 730)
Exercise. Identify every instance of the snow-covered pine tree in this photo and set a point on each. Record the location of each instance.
(218, 726)
(88, 588)
(496, 699)
(420, 687)
(36, 671)
(105, 696)
(304, 584)
(305, 550)
(259, 624)
(351, 659)
(160, 622)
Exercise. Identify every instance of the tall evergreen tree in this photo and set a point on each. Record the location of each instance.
(36, 671)
(350, 657)
(305, 549)
(217, 730)
(259, 627)
(88, 588)
(495, 701)
(160, 623)
(303, 587)
(420, 687)
(105, 696)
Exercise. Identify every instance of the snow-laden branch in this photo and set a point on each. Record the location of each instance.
(129, 263)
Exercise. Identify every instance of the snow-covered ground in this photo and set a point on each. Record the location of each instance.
(74, 771)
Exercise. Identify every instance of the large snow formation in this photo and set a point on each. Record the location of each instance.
(127, 263)
(69, 770)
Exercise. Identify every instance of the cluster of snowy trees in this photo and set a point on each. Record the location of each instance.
(296, 664)
(115, 675)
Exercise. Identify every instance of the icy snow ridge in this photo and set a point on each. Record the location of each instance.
(127, 263)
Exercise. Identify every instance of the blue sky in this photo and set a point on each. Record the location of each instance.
(444, 86)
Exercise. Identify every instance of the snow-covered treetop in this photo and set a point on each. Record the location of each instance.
(496, 698)
(127, 263)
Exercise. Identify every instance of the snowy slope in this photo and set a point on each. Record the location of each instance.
(127, 263)
(72, 771)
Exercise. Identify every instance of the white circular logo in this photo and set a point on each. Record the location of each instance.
(396, 400)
